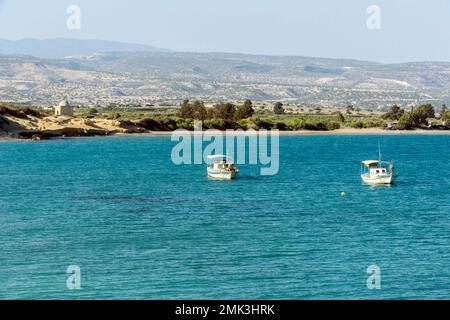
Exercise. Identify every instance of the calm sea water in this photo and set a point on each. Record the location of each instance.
(140, 227)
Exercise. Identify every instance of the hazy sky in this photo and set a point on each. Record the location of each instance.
(411, 30)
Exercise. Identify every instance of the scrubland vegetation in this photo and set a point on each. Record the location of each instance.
(229, 115)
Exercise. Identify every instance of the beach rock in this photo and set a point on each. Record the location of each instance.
(88, 122)
(36, 137)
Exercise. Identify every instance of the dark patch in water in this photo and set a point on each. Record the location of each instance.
(259, 177)
(126, 199)
(138, 210)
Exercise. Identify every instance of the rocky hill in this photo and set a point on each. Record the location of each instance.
(168, 77)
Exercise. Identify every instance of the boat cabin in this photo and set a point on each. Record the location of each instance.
(377, 171)
(376, 167)
(221, 167)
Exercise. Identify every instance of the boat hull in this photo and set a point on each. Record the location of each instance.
(386, 179)
(222, 175)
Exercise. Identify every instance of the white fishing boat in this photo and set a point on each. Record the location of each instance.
(378, 171)
(221, 167)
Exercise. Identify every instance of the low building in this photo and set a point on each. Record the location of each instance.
(64, 109)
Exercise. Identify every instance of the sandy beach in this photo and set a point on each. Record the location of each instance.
(349, 131)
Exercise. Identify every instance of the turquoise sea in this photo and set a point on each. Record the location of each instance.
(140, 227)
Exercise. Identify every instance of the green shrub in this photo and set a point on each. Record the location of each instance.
(375, 123)
(246, 124)
(333, 125)
(319, 126)
(297, 124)
(356, 124)
(93, 111)
(445, 116)
(149, 124)
(415, 118)
(215, 123)
(280, 126)
(168, 124)
(126, 123)
(395, 113)
(340, 117)
(114, 116)
(262, 124)
(246, 110)
(187, 124)
(226, 111)
(278, 108)
(19, 112)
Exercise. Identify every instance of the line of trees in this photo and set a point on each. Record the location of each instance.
(416, 117)
(226, 111)
(444, 114)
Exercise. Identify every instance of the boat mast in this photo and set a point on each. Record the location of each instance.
(379, 153)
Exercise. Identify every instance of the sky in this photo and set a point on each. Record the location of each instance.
(409, 30)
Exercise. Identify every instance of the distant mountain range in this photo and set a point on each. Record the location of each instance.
(60, 47)
(101, 72)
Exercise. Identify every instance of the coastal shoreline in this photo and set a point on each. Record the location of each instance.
(348, 131)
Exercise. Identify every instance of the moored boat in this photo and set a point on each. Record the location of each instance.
(378, 171)
(221, 167)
